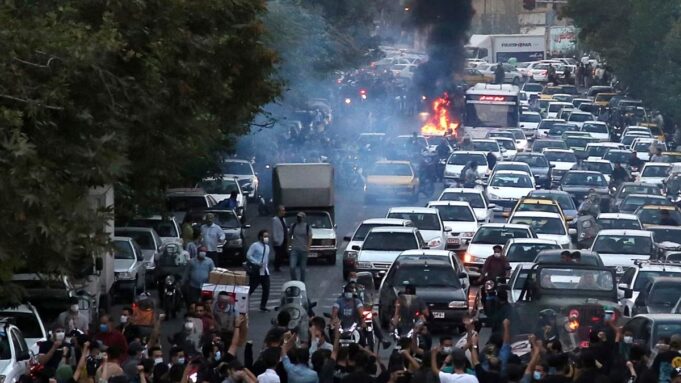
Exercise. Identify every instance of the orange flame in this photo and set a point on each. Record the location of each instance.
(440, 121)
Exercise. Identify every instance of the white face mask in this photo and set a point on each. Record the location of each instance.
(158, 361)
(497, 255)
(628, 339)
(59, 336)
(266, 240)
(74, 308)
(124, 319)
(189, 325)
(180, 360)
(348, 295)
(447, 350)
(202, 255)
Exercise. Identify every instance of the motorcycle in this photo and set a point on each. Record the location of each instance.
(169, 269)
(490, 291)
(294, 300)
(350, 335)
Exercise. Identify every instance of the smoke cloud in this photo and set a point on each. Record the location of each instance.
(446, 23)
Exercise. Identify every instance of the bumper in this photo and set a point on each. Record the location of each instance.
(325, 252)
(457, 243)
(390, 191)
(448, 317)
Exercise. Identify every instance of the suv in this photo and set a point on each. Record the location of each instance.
(382, 245)
(129, 270)
(440, 281)
(658, 296)
(647, 329)
(460, 217)
(582, 296)
(15, 355)
(26, 317)
(243, 171)
(180, 201)
(357, 239)
(167, 228)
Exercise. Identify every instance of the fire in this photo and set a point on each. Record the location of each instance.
(440, 121)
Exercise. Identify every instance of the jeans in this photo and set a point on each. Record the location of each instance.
(279, 255)
(263, 280)
(298, 259)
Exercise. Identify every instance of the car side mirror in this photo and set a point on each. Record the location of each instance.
(246, 226)
(448, 229)
(628, 293)
(572, 231)
(356, 248)
(492, 206)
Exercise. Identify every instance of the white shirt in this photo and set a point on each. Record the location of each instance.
(211, 236)
(457, 378)
(259, 254)
(269, 376)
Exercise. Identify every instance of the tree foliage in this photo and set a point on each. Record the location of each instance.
(140, 94)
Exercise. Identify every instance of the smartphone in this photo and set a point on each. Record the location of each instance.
(193, 377)
(608, 315)
(242, 304)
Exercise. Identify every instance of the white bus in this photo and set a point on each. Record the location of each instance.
(491, 107)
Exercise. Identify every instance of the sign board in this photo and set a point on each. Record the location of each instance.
(562, 39)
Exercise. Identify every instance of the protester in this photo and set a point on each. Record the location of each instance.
(280, 238)
(72, 319)
(301, 240)
(258, 255)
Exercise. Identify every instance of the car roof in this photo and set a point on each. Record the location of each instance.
(505, 225)
(471, 152)
(413, 209)
(393, 229)
(483, 140)
(436, 253)
(420, 258)
(657, 266)
(640, 195)
(462, 190)
(198, 192)
(218, 211)
(658, 207)
(538, 241)
(448, 203)
(532, 113)
(598, 161)
(538, 200)
(661, 317)
(660, 227)
(122, 239)
(512, 163)
(606, 144)
(662, 164)
(593, 122)
(506, 171)
(588, 172)
(548, 192)
(621, 232)
(386, 221)
(538, 214)
(556, 150)
(632, 217)
(21, 308)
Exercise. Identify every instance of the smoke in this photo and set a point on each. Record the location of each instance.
(446, 23)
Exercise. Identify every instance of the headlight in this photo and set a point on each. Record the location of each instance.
(363, 265)
(351, 254)
(467, 234)
(435, 242)
(458, 305)
(125, 275)
(470, 258)
(492, 196)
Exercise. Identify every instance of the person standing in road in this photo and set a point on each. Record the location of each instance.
(258, 254)
(72, 319)
(499, 74)
(301, 240)
(212, 235)
(279, 237)
(196, 274)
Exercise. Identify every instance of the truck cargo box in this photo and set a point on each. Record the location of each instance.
(303, 186)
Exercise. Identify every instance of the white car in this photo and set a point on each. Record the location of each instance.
(642, 147)
(621, 221)
(602, 166)
(489, 235)
(221, 188)
(129, 267)
(382, 245)
(15, 358)
(561, 160)
(243, 171)
(622, 248)
(555, 108)
(596, 151)
(546, 225)
(597, 129)
(579, 118)
(532, 88)
(636, 278)
(523, 251)
(545, 126)
(460, 217)
(506, 187)
(508, 148)
(357, 239)
(513, 165)
(427, 220)
(166, 228)
(458, 160)
(654, 172)
(484, 211)
(487, 145)
(28, 320)
(520, 138)
(529, 121)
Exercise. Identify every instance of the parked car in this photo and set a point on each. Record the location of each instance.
(26, 317)
(148, 240)
(129, 270)
(15, 356)
(166, 227)
(180, 201)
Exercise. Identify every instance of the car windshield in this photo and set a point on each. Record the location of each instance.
(219, 186)
(507, 166)
(549, 90)
(564, 200)
(627, 140)
(623, 244)
(464, 158)
(663, 234)
(540, 145)
(602, 167)
(560, 156)
(533, 161)
(530, 118)
(186, 203)
(233, 167)
(123, 250)
(655, 171)
(639, 189)
(507, 144)
(425, 276)
(494, 134)
(475, 200)
(144, 239)
(485, 146)
(641, 147)
(555, 107)
(27, 323)
(575, 279)
(584, 179)
(578, 142)
(164, 228)
(569, 89)
(423, 221)
(604, 97)
(664, 293)
(671, 158)
(594, 128)
(616, 156)
(543, 207)
(455, 213)
(528, 87)
(666, 329)
(498, 235)
(511, 181)
(363, 230)
(596, 150)
(545, 124)
(542, 225)
(316, 220)
(656, 217)
(618, 223)
(559, 129)
(631, 202)
(580, 117)
(400, 170)
(519, 252)
(226, 219)
(383, 241)
(644, 277)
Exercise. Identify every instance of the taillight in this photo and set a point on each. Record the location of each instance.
(207, 294)
(574, 314)
(584, 344)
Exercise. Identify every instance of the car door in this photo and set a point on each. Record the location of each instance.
(628, 280)
(20, 352)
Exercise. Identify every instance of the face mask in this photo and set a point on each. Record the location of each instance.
(348, 295)
(103, 327)
(218, 355)
(536, 375)
(353, 280)
(189, 325)
(266, 240)
(158, 361)
(180, 360)
(628, 339)
(447, 350)
(74, 308)
(124, 319)
(662, 347)
(59, 336)
(201, 255)
(497, 255)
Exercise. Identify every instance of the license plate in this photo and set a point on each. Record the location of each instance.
(453, 241)
(438, 315)
(313, 255)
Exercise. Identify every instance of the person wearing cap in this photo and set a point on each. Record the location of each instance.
(459, 361)
(73, 319)
(301, 240)
(212, 235)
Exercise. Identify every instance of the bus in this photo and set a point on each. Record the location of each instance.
(491, 107)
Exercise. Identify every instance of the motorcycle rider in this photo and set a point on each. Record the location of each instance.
(619, 175)
(547, 330)
(360, 294)
(427, 174)
(411, 312)
(443, 152)
(348, 309)
(635, 162)
(591, 205)
(496, 266)
(470, 175)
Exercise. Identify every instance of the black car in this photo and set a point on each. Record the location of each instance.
(579, 183)
(658, 296)
(440, 280)
(627, 188)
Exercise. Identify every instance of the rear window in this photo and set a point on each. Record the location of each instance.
(620, 224)
(473, 199)
(381, 241)
(144, 239)
(27, 323)
(527, 252)
(123, 250)
(594, 128)
(420, 276)
(186, 203)
(498, 235)
(529, 118)
(423, 221)
(464, 158)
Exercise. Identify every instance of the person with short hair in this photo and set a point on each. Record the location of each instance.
(279, 237)
(212, 235)
(72, 319)
(301, 240)
(259, 254)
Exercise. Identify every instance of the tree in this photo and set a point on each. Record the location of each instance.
(139, 94)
